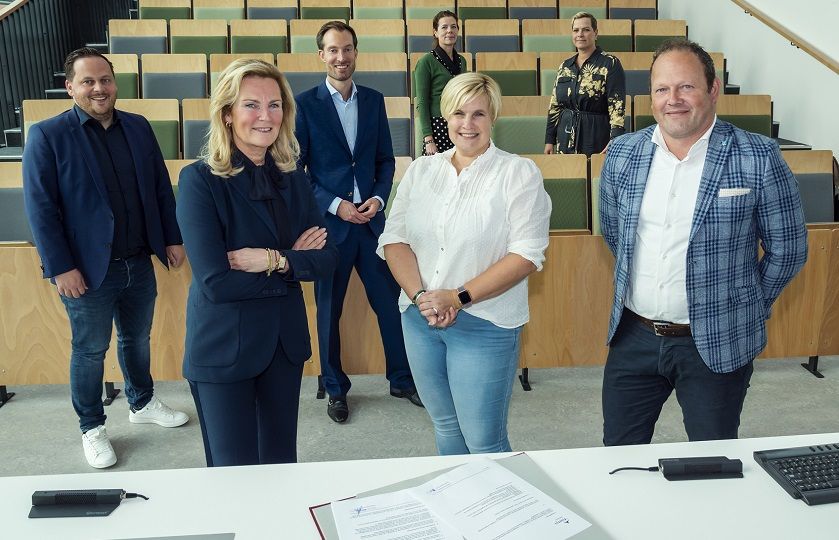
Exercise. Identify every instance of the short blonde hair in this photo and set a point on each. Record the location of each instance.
(219, 148)
(466, 87)
(584, 15)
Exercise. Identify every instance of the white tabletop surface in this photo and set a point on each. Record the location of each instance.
(272, 501)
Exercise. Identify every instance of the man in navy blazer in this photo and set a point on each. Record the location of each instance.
(99, 202)
(345, 144)
(684, 205)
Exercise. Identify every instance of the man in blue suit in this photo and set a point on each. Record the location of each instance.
(684, 206)
(99, 202)
(345, 144)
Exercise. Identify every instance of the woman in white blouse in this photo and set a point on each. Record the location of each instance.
(466, 228)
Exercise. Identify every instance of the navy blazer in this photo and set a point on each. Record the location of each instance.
(236, 319)
(325, 153)
(67, 201)
(730, 289)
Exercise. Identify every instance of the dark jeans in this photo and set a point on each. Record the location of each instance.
(642, 369)
(126, 297)
(254, 421)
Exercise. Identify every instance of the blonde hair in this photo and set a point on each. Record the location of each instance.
(584, 15)
(466, 87)
(219, 148)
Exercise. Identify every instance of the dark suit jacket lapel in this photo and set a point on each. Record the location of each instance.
(719, 148)
(80, 137)
(332, 118)
(241, 189)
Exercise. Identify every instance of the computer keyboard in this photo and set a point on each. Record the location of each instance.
(810, 473)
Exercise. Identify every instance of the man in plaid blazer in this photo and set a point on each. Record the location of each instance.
(684, 205)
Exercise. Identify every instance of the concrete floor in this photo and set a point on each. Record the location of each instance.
(40, 434)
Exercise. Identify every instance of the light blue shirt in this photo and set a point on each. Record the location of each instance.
(348, 115)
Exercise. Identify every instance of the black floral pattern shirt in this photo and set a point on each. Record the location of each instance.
(587, 104)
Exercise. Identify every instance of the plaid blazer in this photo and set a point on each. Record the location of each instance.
(729, 290)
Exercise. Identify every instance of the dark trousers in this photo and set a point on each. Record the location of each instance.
(254, 421)
(358, 251)
(642, 369)
(125, 299)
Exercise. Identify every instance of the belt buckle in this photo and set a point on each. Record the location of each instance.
(664, 326)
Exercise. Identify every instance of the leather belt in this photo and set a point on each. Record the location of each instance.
(662, 328)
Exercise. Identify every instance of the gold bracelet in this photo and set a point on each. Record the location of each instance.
(268, 256)
(277, 261)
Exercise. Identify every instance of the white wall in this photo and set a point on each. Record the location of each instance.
(805, 92)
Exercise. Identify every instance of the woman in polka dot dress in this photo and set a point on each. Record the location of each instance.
(431, 74)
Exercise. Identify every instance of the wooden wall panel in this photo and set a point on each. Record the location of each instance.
(793, 329)
(570, 301)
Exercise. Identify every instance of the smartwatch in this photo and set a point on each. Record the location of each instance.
(464, 297)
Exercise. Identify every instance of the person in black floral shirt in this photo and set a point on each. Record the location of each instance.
(587, 104)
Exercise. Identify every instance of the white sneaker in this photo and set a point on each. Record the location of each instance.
(157, 412)
(97, 448)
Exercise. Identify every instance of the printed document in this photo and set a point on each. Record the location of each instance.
(485, 501)
(389, 516)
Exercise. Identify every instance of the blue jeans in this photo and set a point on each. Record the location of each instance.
(464, 375)
(641, 372)
(126, 297)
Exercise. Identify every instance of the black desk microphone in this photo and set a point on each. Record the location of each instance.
(78, 502)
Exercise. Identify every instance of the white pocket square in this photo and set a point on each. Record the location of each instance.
(734, 192)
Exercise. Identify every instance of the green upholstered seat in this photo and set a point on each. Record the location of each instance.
(165, 13)
(516, 83)
(569, 202)
(465, 13)
(166, 133)
(223, 13)
(650, 43)
(615, 43)
(370, 43)
(426, 12)
(390, 198)
(128, 85)
(385, 12)
(303, 44)
(258, 44)
(571, 8)
(520, 134)
(331, 13)
(198, 44)
(548, 43)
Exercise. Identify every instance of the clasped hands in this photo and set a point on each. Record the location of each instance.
(254, 260)
(363, 214)
(439, 307)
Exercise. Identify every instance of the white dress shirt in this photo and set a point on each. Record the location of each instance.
(659, 265)
(460, 225)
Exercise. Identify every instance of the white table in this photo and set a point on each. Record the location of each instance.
(272, 501)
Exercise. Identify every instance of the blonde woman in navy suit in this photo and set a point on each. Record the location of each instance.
(252, 231)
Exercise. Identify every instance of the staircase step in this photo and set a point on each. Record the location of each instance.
(58, 78)
(732, 89)
(13, 136)
(776, 127)
(56, 93)
(133, 13)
